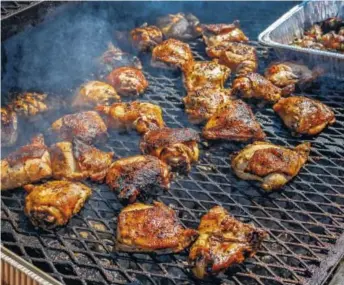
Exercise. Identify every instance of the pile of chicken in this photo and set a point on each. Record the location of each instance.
(220, 240)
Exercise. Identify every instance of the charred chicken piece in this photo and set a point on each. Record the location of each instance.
(77, 161)
(270, 164)
(136, 175)
(145, 38)
(180, 26)
(176, 147)
(152, 228)
(137, 115)
(28, 164)
(172, 54)
(29, 104)
(205, 73)
(233, 121)
(303, 115)
(128, 81)
(333, 41)
(95, 93)
(254, 85)
(54, 203)
(223, 241)
(9, 127)
(332, 24)
(87, 126)
(202, 103)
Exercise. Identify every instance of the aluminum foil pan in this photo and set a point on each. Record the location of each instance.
(293, 23)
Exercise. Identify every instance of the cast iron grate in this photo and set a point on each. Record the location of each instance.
(304, 220)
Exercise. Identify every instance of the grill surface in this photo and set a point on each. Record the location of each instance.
(305, 220)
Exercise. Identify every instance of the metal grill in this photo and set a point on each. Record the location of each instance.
(8, 8)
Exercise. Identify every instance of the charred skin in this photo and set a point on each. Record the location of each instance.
(9, 127)
(152, 228)
(29, 104)
(54, 203)
(176, 147)
(145, 38)
(272, 165)
(137, 115)
(132, 176)
(233, 121)
(223, 241)
(303, 115)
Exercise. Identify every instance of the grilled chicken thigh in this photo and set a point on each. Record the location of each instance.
(9, 127)
(135, 175)
(233, 121)
(152, 228)
(303, 115)
(172, 54)
(202, 103)
(29, 104)
(128, 81)
(270, 164)
(137, 115)
(177, 147)
(54, 203)
(87, 126)
(180, 26)
(222, 242)
(205, 74)
(77, 160)
(145, 38)
(28, 164)
(95, 93)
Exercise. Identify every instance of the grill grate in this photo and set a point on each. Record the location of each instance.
(304, 220)
(9, 8)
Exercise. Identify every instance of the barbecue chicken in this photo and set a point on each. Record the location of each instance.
(9, 127)
(29, 104)
(145, 38)
(333, 41)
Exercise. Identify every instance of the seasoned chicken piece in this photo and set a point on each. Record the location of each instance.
(287, 73)
(87, 126)
(334, 41)
(216, 34)
(205, 74)
(9, 127)
(239, 57)
(303, 115)
(202, 103)
(223, 241)
(308, 42)
(28, 164)
(177, 147)
(270, 164)
(254, 85)
(54, 203)
(128, 81)
(314, 31)
(172, 54)
(29, 104)
(152, 228)
(137, 115)
(180, 26)
(233, 121)
(77, 161)
(136, 175)
(95, 93)
(145, 38)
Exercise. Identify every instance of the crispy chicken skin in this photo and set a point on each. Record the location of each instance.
(222, 242)
(272, 165)
(54, 203)
(152, 228)
(128, 81)
(145, 38)
(180, 26)
(28, 164)
(254, 85)
(172, 54)
(233, 121)
(176, 147)
(205, 73)
(87, 126)
(9, 127)
(303, 115)
(202, 103)
(136, 175)
(137, 115)
(95, 93)
(29, 104)
(77, 160)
